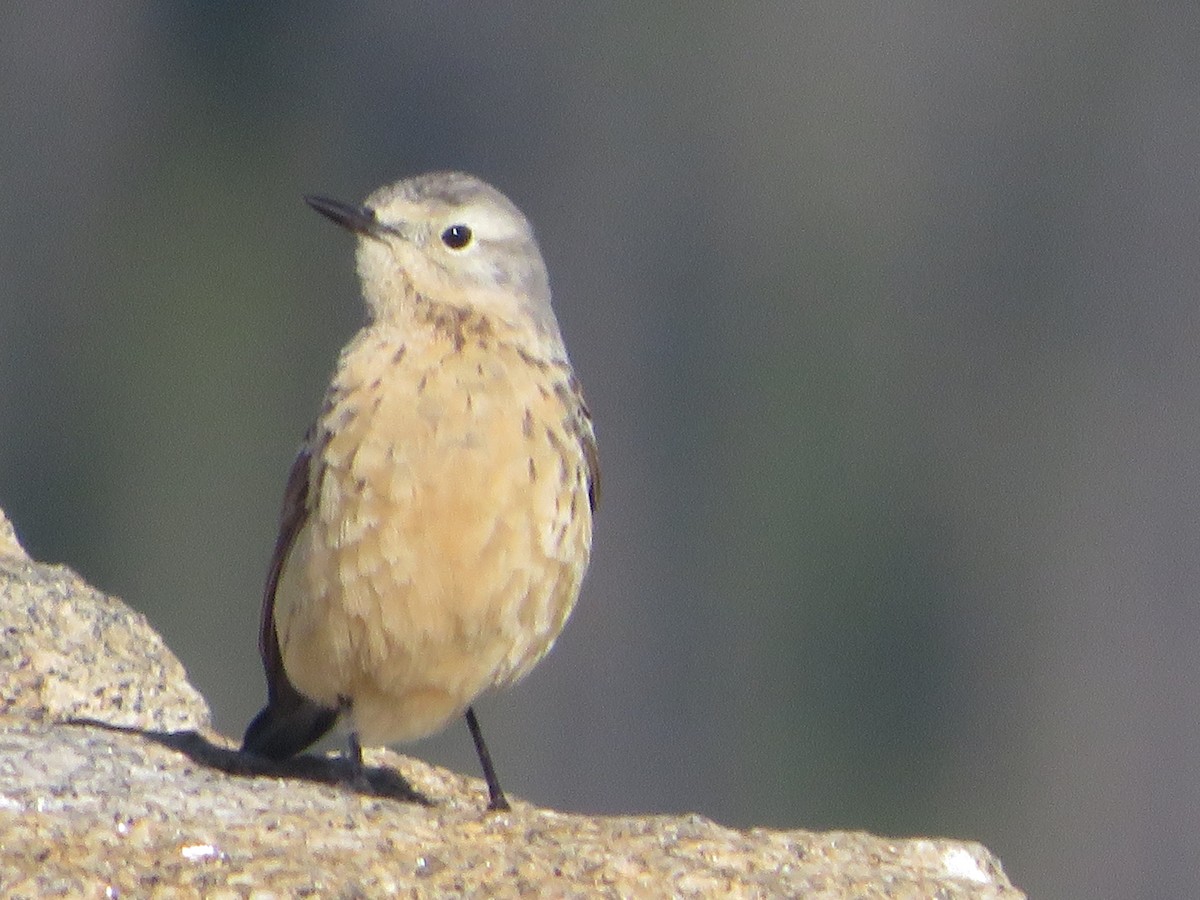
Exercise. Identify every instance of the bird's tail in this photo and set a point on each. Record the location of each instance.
(287, 724)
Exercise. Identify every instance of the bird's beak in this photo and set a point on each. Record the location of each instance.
(359, 219)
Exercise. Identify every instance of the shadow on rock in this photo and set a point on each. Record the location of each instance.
(373, 781)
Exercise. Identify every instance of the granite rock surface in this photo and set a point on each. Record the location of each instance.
(112, 784)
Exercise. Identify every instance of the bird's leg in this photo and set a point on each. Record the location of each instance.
(496, 798)
(356, 770)
(354, 758)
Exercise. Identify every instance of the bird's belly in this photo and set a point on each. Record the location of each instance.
(443, 555)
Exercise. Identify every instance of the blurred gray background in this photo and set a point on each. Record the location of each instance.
(887, 314)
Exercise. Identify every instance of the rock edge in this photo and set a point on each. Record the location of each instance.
(112, 784)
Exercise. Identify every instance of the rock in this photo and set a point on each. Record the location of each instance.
(112, 785)
(9, 545)
(69, 651)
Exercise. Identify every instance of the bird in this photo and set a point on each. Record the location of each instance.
(437, 521)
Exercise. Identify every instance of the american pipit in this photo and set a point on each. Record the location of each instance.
(438, 520)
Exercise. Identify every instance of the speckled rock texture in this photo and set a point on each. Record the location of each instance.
(67, 650)
(112, 785)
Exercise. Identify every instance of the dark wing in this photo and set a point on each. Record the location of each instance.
(591, 453)
(581, 423)
(290, 721)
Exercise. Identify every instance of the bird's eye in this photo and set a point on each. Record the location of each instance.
(456, 237)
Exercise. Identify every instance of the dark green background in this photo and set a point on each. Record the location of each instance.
(887, 314)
